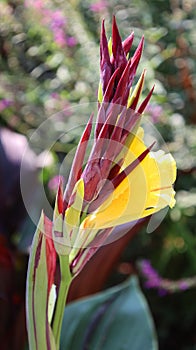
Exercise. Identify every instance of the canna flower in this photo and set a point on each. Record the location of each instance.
(122, 180)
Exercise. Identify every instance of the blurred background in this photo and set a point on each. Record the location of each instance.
(49, 66)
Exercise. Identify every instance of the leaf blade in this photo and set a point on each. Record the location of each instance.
(112, 319)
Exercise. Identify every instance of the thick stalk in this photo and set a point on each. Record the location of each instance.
(66, 279)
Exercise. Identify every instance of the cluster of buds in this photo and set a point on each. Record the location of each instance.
(122, 180)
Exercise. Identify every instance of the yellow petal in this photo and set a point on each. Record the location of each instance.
(72, 214)
(139, 84)
(146, 190)
(100, 93)
(110, 46)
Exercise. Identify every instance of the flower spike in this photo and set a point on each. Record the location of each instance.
(122, 180)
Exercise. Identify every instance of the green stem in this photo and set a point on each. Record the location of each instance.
(66, 279)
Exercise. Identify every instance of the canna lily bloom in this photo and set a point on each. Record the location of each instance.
(123, 180)
(142, 192)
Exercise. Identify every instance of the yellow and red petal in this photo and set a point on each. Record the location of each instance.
(146, 190)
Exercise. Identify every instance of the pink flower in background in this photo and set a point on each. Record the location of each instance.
(56, 103)
(5, 103)
(53, 184)
(58, 20)
(59, 38)
(155, 111)
(99, 6)
(163, 285)
(55, 20)
(71, 41)
(38, 4)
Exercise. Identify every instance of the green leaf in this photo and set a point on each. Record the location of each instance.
(117, 319)
(39, 331)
